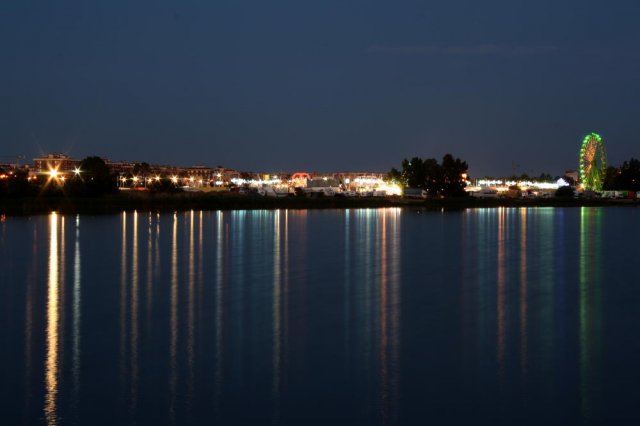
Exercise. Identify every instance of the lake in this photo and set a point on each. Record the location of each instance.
(288, 317)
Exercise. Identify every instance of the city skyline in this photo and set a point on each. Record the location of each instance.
(328, 86)
(48, 161)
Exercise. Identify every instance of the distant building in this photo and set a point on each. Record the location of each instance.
(573, 174)
(226, 174)
(324, 182)
(203, 173)
(55, 161)
(6, 166)
(299, 179)
(120, 167)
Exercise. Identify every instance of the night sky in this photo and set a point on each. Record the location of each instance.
(324, 85)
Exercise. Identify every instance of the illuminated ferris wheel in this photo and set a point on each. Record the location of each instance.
(593, 162)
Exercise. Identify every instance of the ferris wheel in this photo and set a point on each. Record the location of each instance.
(593, 162)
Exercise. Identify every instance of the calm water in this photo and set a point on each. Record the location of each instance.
(390, 316)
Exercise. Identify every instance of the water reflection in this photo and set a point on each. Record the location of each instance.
(590, 318)
(389, 346)
(237, 312)
(123, 301)
(523, 296)
(77, 312)
(133, 312)
(546, 252)
(191, 312)
(53, 318)
(30, 317)
(277, 304)
(150, 268)
(501, 292)
(219, 308)
(261, 317)
(173, 345)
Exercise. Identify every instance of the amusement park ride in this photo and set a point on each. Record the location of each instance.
(593, 162)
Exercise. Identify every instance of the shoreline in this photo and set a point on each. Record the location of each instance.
(117, 203)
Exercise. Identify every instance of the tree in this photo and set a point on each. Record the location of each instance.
(629, 177)
(545, 177)
(454, 172)
(395, 175)
(432, 173)
(413, 173)
(163, 185)
(94, 179)
(446, 179)
(16, 184)
(141, 169)
(623, 178)
(564, 192)
(610, 178)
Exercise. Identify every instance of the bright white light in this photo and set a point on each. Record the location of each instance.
(77, 171)
(545, 185)
(368, 181)
(391, 189)
(500, 184)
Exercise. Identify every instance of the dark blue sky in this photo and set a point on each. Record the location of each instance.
(326, 85)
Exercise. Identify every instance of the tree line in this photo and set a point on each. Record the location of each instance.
(623, 178)
(444, 179)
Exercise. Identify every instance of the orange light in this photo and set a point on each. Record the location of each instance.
(53, 173)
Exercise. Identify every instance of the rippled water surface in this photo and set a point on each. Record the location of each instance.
(390, 316)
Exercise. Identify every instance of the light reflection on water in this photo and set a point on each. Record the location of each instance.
(53, 318)
(364, 316)
(590, 318)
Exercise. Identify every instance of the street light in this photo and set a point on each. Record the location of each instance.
(53, 173)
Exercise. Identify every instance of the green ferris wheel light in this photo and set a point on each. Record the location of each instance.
(593, 162)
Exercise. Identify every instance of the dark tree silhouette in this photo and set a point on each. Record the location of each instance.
(445, 179)
(94, 179)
